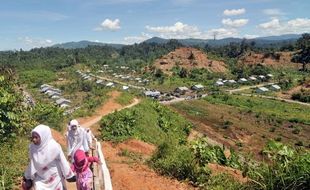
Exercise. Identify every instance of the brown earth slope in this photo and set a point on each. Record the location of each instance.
(278, 59)
(188, 58)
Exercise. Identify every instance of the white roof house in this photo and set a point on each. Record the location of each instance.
(269, 75)
(197, 87)
(99, 81)
(262, 90)
(252, 78)
(232, 82)
(181, 89)
(55, 97)
(110, 84)
(56, 90)
(62, 100)
(44, 89)
(52, 93)
(125, 87)
(64, 105)
(242, 80)
(219, 83)
(262, 77)
(45, 85)
(152, 93)
(275, 87)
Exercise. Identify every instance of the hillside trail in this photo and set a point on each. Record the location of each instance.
(126, 173)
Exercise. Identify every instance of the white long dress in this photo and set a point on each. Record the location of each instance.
(48, 166)
(77, 140)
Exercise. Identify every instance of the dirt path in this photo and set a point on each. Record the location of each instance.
(126, 172)
(110, 106)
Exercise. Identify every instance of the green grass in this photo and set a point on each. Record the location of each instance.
(125, 98)
(13, 159)
(272, 108)
(146, 126)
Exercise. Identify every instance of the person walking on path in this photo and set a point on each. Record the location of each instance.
(90, 138)
(76, 139)
(48, 166)
(80, 166)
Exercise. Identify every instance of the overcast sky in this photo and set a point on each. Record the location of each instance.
(39, 23)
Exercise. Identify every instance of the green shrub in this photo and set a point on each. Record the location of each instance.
(288, 169)
(13, 159)
(125, 98)
(34, 78)
(296, 130)
(205, 153)
(48, 114)
(118, 126)
(173, 160)
(299, 143)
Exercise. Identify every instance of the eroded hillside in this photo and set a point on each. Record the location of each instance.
(188, 58)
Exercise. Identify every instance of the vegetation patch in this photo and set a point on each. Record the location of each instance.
(148, 121)
(125, 98)
(272, 108)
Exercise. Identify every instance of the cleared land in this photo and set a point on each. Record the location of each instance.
(247, 123)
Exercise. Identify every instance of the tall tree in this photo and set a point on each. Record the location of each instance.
(303, 56)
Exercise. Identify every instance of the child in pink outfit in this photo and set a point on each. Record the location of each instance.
(84, 175)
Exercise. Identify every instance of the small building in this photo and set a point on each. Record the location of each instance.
(219, 83)
(181, 90)
(262, 77)
(197, 87)
(64, 105)
(55, 97)
(242, 80)
(269, 76)
(52, 93)
(261, 90)
(153, 94)
(252, 78)
(275, 87)
(55, 90)
(125, 87)
(110, 84)
(61, 101)
(44, 89)
(232, 82)
(45, 85)
(99, 81)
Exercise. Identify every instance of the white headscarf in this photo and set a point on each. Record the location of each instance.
(44, 153)
(76, 138)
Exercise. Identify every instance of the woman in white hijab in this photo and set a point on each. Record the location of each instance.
(48, 166)
(76, 138)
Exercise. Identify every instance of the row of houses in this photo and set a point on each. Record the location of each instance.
(251, 79)
(265, 89)
(177, 92)
(55, 94)
(99, 81)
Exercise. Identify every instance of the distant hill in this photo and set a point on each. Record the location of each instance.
(281, 37)
(84, 44)
(225, 41)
